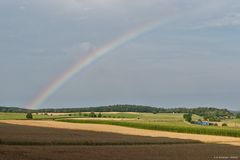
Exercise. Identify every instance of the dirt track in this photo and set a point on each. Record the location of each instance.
(126, 131)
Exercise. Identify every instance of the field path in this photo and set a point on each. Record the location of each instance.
(126, 131)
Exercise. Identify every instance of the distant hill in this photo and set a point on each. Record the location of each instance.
(235, 112)
(111, 108)
(214, 113)
(201, 111)
(13, 109)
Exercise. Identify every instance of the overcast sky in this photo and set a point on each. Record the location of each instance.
(192, 59)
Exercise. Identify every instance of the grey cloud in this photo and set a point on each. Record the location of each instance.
(171, 65)
(230, 20)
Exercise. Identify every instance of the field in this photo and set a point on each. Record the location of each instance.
(22, 116)
(8, 116)
(162, 126)
(164, 122)
(71, 134)
(161, 121)
(233, 123)
(29, 140)
(130, 136)
(117, 130)
(120, 152)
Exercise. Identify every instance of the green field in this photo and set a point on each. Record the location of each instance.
(119, 115)
(22, 116)
(164, 117)
(12, 116)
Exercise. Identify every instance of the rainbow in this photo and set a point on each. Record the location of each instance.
(88, 60)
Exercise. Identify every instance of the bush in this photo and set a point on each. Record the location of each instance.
(92, 114)
(224, 125)
(155, 112)
(188, 117)
(29, 116)
(99, 115)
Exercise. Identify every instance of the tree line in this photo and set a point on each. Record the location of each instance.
(205, 112)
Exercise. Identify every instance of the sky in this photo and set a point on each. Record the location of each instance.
(191, 59)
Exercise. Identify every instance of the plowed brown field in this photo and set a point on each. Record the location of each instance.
(127, 131)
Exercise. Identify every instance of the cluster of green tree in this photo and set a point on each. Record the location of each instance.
(213, 114)
(187, 117)
(111, 108)
(29, 115)
(204, 112)
(213, 118)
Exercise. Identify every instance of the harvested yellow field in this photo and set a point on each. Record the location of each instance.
(126, 131)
